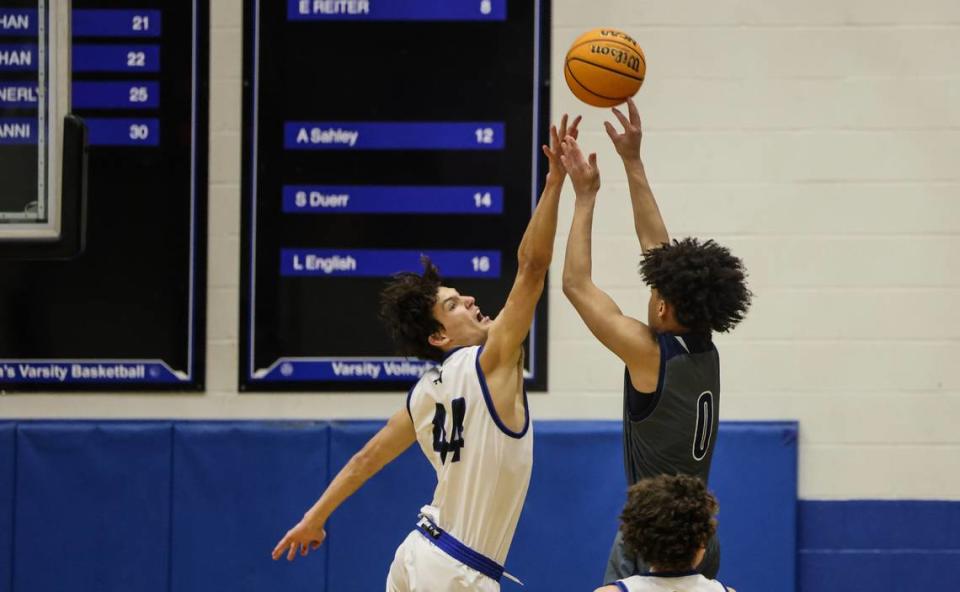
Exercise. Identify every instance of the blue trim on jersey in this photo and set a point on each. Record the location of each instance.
(669, 349)
(670, 346)
(671, 574)
(493, 410)
(410, 396)
(447, 355)
(621, 586)
(457, 550)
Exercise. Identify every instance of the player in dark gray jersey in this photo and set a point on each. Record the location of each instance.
(671, 398)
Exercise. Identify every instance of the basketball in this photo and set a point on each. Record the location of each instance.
(604, 67)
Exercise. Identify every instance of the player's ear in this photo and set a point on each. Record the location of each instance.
(439, 340)
(698, 558)
(663, 309)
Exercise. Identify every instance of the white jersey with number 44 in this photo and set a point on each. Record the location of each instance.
(483, 467)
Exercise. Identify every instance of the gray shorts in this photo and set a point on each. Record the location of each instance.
(623, 564)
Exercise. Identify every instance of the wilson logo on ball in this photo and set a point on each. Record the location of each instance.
(604, 67)
(621, 57)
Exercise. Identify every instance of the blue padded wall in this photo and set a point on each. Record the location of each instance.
(570, 517)
(237, 489)
(754, 477)
(92, 507)
(7, 440)
(366, 531)
(198, 506)
(884, 546)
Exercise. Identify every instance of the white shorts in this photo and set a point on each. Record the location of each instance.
(420, 566)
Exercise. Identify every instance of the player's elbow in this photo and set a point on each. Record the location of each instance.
(362, 465)
(573, 287)
(533, 264)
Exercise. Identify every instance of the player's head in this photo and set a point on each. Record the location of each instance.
(426, 319)
(668, 520)
(695, 286)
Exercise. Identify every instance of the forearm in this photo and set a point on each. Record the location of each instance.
(350, 478)
(651, 231)
(536, 246)
(388, 444)
(578, 261)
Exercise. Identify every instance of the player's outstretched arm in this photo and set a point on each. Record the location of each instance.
(607, 589)
(632, 341)
(503, 345)
(651, 231)
(386, 445)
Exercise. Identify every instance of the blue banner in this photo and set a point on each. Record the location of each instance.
(115, 95)
(384, 263)
(353, 370)
(100, 371)
(397, 10)
(116, 23)
(123, 132)
(375, 135)
(19, 94)
(18, 21)
(18, 130)
(382, 199)
(18, 58)
(116, 58)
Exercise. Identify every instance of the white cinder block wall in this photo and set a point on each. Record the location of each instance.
(820, 140)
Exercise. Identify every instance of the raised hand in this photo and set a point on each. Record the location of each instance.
(304, 537)
(628, 142)
(554, 150)
(584, 173)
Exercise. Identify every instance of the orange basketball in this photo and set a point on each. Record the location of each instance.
(604, 67)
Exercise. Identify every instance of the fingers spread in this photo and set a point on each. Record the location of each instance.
(611, 131)
(574, 131)
(623, 119)
(278, 550)
(292, 551)
(634, 114)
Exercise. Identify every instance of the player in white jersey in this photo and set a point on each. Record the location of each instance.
(668, 520)
(469, 416)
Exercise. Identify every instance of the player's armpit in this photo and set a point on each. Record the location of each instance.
(506, 335)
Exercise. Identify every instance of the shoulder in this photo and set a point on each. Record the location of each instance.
(462, 356)
(431, 384)
(618, 586)
(713, 585)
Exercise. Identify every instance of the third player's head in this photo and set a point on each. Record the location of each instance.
(695, 286)
(427, 319)
(668, 520)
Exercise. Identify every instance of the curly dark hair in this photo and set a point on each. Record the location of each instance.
(406, 308)
(704, 282)
(667, 519)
